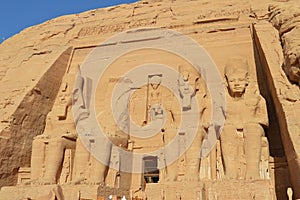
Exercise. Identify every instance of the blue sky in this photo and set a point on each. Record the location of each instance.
(15, 15)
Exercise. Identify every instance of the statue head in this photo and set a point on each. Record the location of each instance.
(236, 74)
(81, 98)
(155, 80)
(185, 75)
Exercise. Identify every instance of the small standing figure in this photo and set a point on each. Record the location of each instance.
(186, 92)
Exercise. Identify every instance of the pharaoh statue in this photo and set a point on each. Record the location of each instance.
(157, 98)
(185, 91)
(187, 166)
(49, 149)
(87, 168)
(151, 107)
(154, 96)
(246, 115)
(190, 86)
(154, 107)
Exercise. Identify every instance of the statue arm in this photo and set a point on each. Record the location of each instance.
(262, 112)
(205, 113)
(70, 136)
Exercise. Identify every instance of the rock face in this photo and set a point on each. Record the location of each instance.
(286, 19)
(284, 94)
(44, 99)
(24, 117)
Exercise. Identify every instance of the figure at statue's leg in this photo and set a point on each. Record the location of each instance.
(88, 169)
(229, 144)
(55, 157)
(37, 159)
(253, 135)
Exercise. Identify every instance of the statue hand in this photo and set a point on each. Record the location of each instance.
(71, 136)
(206, 125)
(43, 136)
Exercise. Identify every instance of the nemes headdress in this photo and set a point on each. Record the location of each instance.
(236, 65)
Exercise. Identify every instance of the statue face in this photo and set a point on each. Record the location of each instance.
(237, 83)
(80, 109)
(185, 75)
(155, 82)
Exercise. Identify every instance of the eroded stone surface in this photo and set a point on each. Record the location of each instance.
(40, 102)
(286, 18)
(282, 91)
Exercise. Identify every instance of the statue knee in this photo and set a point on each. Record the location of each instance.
(57, 142)
(36, 142)
(228, 134)
(253, 130)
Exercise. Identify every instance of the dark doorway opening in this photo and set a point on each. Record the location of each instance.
(151, 172)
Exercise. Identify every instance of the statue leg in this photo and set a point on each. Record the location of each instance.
(171, 172)
(54, 158)
(192, 173)
(229, 148)
(171, 167)
(84, 159)
(81, 162)
(253, 139)
(193, 158)
(100, 163)
(37, 158)
(98, 171)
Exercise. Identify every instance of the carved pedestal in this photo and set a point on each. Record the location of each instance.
(64, 192)
(210, 190)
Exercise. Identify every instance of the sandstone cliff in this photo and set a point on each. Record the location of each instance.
(33, 62)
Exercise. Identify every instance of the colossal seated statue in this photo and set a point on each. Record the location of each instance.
(246, 115)
(49, 149)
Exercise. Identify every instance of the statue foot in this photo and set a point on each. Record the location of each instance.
(41, 181)
(48, 181)
(95, 182)
(191, 177)
(252, 177)
(252, 173)
(228, 177)
(231, 175)
(171, 178)
(77, 181)
(85, 181)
